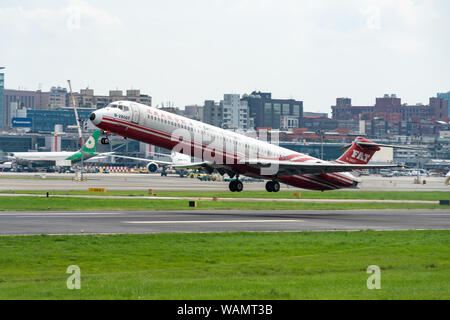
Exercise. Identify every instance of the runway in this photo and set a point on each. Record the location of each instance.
(27, 223)
(133, 181)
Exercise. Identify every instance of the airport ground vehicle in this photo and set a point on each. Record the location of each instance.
(386, 173)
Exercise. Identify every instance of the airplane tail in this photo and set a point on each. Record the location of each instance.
(91, 144)
(360, 151)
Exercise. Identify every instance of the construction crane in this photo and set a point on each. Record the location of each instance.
(80, 134)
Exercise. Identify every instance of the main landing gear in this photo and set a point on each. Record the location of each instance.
(236, 186)
(273, 186)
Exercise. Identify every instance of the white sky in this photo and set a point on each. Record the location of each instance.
(190, 51)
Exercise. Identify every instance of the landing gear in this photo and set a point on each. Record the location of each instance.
(272, 186)
(104, 140)
(236, 186)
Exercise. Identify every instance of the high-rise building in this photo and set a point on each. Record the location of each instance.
(235, 112)
(194, 112)
(86, 98)
(58, 97)
(273, 113)
(27, 99)
(213, 113)
(2, 103)
(445, 96)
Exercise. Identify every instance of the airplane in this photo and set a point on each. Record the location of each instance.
(59, 158)
(178, 159)
(235, 154)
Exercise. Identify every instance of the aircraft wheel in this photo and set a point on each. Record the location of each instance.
(269, 186)
(239, 186)
(104, 141)
(275, 186)
(232, 186)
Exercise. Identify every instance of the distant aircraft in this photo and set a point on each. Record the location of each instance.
(235, 154)
(178, 159)
(59, 158)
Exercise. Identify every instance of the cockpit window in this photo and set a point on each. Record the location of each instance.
(125, 108)
(113, 105)
(120, 107)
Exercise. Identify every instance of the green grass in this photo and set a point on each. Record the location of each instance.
(304, 265)
(27, 203)
(370, 195)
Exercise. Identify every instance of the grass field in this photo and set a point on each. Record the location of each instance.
(369, 195)
(27, 203)
(306, 265)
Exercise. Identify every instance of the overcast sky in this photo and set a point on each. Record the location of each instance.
(190, 51)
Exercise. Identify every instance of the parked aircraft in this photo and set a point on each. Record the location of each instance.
(178, 159)
(59, 158)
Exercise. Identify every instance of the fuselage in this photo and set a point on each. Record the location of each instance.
(43, 156)
(222, 147)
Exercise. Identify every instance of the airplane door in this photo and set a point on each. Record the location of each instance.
(135, 112)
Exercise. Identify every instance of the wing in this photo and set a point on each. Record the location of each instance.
(194, 165)
(289, 167)
(167, 163)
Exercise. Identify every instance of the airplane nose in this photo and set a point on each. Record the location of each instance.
(95, 117)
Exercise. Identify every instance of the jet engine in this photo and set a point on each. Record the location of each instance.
(152, 167)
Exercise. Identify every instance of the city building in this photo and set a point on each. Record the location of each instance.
(27, 99)
(235, 112)
(314, 123)
(58, 97)
(213, 113)
(194, 112)
(45, 120)
(390, 117)
(2, 102)
(273, 113)
(87, 99)
(446, 97)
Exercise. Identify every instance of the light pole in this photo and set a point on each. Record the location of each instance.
(321, 133)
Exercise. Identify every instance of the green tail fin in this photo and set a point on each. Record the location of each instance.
(91, 144)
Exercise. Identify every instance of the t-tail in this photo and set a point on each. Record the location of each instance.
(362, 150)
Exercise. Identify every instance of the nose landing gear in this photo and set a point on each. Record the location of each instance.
(272, 186)
(104, 140)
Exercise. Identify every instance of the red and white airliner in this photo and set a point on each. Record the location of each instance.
(228, 152)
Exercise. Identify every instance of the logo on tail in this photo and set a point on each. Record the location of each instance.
(88, 150)
(360, 152)
(91, 143)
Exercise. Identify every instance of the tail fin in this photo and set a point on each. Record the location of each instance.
(360, 151)
(91, 144)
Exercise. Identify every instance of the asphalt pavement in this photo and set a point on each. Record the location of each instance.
(15, 223)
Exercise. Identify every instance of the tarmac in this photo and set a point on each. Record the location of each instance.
(112, 222)
(124, 222)
(132, 181)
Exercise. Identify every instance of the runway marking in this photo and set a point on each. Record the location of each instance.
(209, 221)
